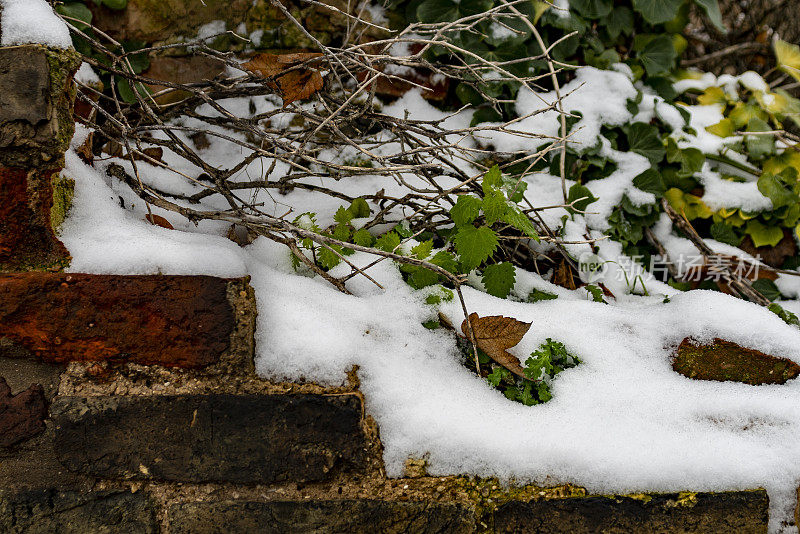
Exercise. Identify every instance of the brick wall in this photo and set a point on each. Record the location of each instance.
(153, 420)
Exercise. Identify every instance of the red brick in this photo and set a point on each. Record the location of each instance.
(176, 321)
(21, 416)
(27, 240)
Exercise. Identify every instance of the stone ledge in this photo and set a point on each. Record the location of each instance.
(743, 512)
(346, 515)
(203, 438)
(71, 512)
(174, 321)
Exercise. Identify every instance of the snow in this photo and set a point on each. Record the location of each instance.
(32, 22)
(622, 421)
(86, 75)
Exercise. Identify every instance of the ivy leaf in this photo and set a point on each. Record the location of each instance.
(115, 4)
(578, 191)
(724, 233)
(723, 128)
(494, 206)
(788, 58)
(767, 288)
(762, 235)
(619, 21)
(592, 9)
(657, 11)
(658, 55)
(76, 11)
(772, 187)
(759, 146)
(520, 221)
(498, 279)
(711, 7)
(644, 139)
(690, 159)
(650, 181)
(475, 245)
(466, 210)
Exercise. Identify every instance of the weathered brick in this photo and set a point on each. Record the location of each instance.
(743, 512)
(351, 516)
(27, 240)
(70, 512)
(179, 321)
(22, 415)
(36, 97)
(725, 361)
(200, 438)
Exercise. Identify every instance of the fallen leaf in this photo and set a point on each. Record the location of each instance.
(563, 276)
(299, 85)
(85, 150)
(494, 335)
(293, 82)
(158, 220)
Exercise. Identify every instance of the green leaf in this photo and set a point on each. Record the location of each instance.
(466, 210)
(596, 292)
(759, 146)
(492, 179)
(650, 181)
(437, 11)
(762, 235)
(363, 238)
(446, 261)
(498, 279)
(388, 242)
(657, 11)
(485, 114)
(498, 374)
(76, 11)
(327, 257)
(619, 21)
(342, 215)
(767, 288)
(422, 277)
(474, 246)
(724, 233)
(537, 294)
(520, 221)
(772, 187)
(723, 128)
(711, 7)
(115, 4)
(359, 208)
(690, 159)
(658, 55)
(494, 206)
(139, 62)
(592, 9)
(341, 232)
(578, 191)
(644, 139)
(423, 250)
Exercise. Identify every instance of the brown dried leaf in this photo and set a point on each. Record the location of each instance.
(299, 85)
(563, 276)
(85, 150)
(494, 335)
(158, 220)
(269, 65)
(296, 84)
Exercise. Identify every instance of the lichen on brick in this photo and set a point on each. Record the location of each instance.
(63, 193)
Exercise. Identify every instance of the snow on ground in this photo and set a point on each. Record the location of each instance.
(31, 21)
(622, 421)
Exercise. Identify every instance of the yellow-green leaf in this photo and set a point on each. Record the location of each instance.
(788, 57)
(712, 95)
(723, 128)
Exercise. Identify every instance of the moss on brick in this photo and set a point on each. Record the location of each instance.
(63, 193)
